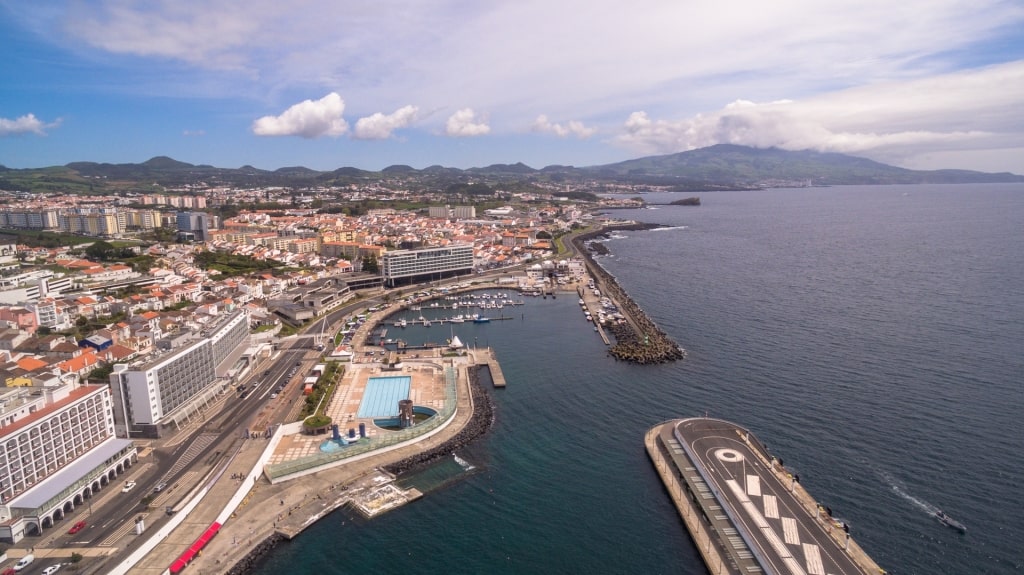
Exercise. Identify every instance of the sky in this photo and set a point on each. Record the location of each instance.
(922, 84)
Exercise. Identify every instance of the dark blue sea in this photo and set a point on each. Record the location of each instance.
(873, 337)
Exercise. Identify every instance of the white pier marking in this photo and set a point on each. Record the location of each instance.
(790, 531)
(813, 557)
(754, 485)
(771, 506)
(766, 530)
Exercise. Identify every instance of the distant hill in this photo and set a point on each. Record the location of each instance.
(726, 163)
(713, 168)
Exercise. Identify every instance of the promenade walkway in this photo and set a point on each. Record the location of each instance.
(289, 507)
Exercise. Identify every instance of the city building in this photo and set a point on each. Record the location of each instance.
(407, 266)
(194, 225)
(149, 396)
(464, 212)
(57, 449)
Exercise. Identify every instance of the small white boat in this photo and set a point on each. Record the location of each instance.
(950, 522)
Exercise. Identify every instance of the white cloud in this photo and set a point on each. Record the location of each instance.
(381, 52)
(309, 119)
(188, 133)
(572, 128)
(27, 124)
(465, 123)
(380, 126)
(893, 121)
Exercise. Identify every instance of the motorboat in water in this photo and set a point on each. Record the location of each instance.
(949, 521)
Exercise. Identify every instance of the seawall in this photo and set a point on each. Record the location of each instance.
(638, 340)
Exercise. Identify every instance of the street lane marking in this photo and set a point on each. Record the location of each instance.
(781, 550)
(813, 557)
(754, 485)
(790, 531)
(771, 506)
(121, 531)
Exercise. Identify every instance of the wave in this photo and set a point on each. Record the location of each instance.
(463, 463)
(667, 228)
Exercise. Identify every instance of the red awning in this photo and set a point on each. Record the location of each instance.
(194, 550)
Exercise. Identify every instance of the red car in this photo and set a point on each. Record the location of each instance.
(76, 528)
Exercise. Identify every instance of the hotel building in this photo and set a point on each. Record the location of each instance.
(408, 266)
(150, 396)
(57, 449)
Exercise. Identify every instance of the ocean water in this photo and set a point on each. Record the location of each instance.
(873, 337)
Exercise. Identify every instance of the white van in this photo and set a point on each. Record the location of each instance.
(25, 561)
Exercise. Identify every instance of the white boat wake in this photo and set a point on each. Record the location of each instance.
(899, 489)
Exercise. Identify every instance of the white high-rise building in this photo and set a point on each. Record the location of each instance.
(57, 449)
(148, 396)
(407, 266)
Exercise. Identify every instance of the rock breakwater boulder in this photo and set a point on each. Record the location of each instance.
(638, 339)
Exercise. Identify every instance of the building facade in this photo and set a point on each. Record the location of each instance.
(407, 266)
(195, 225)
(57, 449)
(148, 396)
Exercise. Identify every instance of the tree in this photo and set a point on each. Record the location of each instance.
(543, 235)
(370, 264)
(100, 250)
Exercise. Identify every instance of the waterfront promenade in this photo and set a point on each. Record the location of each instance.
(743, 510)
(268, 512)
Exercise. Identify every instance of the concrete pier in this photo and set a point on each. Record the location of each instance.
(486, 357)
(744, 512)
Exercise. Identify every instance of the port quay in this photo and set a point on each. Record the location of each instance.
(744, 511)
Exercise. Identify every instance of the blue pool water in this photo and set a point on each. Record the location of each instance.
(382, 396)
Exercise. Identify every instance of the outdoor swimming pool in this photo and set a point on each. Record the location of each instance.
(382, 396)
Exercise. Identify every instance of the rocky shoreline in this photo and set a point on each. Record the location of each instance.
(638, 340)
(479, 424)
(248, 563)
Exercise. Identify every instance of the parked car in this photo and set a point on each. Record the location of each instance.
(273, 396)
(24, 562)
(160, 486)
(128, 486)
(76, 528)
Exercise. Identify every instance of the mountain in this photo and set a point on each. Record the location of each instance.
(719, 167)
(727, 163)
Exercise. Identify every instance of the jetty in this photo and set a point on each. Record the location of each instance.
(486, 357)
(744, 511)
(637, 340)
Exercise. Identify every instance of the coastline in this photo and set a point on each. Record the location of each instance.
(638, 340)
(478, 424)
(252, 533)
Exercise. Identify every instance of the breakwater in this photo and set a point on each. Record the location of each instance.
(638, 340)
(478, 425)
(480, 422)
(248, 563)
